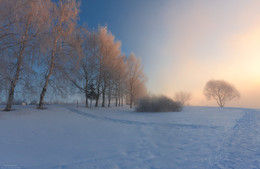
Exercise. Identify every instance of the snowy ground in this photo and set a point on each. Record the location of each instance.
(66, 137)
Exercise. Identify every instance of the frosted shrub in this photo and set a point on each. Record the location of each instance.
(157, 104)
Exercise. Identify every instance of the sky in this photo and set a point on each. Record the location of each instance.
(184, 44)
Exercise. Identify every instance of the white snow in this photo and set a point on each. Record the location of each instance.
(111, 138)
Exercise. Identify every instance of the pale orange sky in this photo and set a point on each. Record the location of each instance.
(196, 41)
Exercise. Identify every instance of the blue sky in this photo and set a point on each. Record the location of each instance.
(126, 19)
(183, 44)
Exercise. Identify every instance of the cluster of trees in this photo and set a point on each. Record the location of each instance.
(43, 48)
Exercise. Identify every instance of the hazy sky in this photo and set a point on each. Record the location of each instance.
(183, 44)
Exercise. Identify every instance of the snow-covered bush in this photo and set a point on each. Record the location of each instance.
(157, 104)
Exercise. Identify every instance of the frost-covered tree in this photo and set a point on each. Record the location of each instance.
(221, 91)
(22, 23)
(182, 97)
(119, 81)
(105, 63)
(135, 79)
(101, 66)
(109, 52)
(64, 16)
(82, 72)
(42, 48)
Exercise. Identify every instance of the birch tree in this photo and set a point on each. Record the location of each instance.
(64, 16)
(21, 28)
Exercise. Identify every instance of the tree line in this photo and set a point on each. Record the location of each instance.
(43, 48)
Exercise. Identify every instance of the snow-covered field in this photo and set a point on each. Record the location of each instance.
(110, 138)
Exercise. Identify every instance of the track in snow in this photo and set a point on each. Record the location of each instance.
(121, 121)
(241, 147)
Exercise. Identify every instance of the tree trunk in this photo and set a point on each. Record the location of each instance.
(103, 96)
(109, 93)
(98, 94)
(219, 100)
(10, 96)
(18, 67)
(98, 88)
(86, 97)
(104, 93)
(47, 78)
(131, 96)
(86, 91)
(130, 101)
(16, 77)
(91, 102)
(119, 94)
(13, 85)
(121, 98)
(97, 98)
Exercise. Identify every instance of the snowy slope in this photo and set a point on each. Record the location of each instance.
(68, 137)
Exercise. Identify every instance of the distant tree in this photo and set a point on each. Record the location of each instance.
(221, 91)
(135, 79)
(183, 97)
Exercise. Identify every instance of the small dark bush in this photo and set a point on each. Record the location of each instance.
(157, 104)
